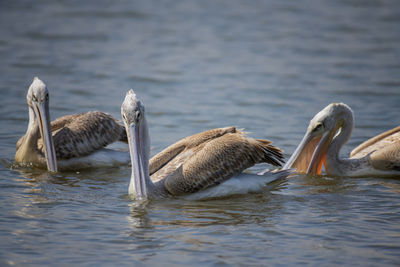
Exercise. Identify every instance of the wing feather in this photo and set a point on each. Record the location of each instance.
(387, 158)
(218, 160)
(171, 166)
(79, 135)
(376, 143)
(168, 155)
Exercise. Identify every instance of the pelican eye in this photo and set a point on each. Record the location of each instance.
(138, 114)
(318, 127)
(47, 97)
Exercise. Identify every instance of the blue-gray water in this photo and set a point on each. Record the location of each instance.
(266, 66)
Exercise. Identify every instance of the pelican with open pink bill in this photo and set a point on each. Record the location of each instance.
(328, 131)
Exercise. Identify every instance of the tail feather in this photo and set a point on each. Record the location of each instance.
(272, 154)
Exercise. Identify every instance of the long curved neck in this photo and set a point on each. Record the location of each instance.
(28, 147)
(32, 133)
(334, 164)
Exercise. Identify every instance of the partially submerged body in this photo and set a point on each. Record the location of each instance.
(328, 131)
(193, 164)
(69, 142)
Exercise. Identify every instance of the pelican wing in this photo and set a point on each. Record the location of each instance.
(172, 157)
(377, 143)
(387, 158)
(55, 125)
(217, 160)
(172, 165)
(82, 134)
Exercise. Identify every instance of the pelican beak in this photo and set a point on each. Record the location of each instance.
(42, 113)
(138, 183)
(310, 154)
(319, 155)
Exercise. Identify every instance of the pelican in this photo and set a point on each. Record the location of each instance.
(73, 141)
(328, 131)
(193, 164)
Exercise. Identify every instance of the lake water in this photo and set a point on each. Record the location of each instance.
(266, 66)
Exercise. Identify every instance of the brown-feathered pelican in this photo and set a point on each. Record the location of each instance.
(69, 141)
(194, 163)
(328, 131)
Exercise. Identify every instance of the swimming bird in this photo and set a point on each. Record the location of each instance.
(194, 163)
(328, 131)
(69, 142)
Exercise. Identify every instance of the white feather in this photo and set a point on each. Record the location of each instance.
(243, 184)
(103, 158)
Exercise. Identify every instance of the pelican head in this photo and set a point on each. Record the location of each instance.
(132, 109)
(133, 115)
(326, 125)
(38, 102)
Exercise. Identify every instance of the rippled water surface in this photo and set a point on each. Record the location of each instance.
(266, 66)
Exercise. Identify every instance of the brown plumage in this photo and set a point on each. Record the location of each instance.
(383, 150)
(209, 158)
(68, 137)
(192, 164)
(79, 135)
